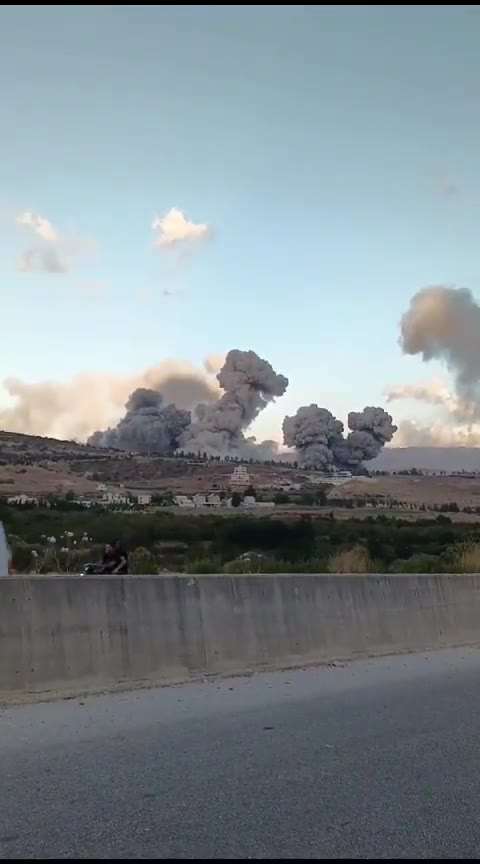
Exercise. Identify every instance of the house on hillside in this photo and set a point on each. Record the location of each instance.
(115, 498)
(183, 501)
(214, 500)
(23, 499)
(144, 498)
(240, 478)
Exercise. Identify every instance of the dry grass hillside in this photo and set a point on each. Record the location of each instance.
(465, 491)
(33, 465)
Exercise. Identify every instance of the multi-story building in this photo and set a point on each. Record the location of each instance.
(240, 478)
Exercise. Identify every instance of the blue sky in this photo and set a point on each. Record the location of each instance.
(333, 151)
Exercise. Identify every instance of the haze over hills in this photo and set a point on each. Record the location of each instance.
(427, 459)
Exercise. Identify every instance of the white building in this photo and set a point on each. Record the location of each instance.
(183, 501)
(240, 478)
(199, 500)
(214, 500)
(115, 498)
(144, 498)
(249, 501)
(283, 486)
(22, 499)
(330, 479)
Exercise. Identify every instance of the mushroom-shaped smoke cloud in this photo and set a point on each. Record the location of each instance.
(444, 323)
(318, 436)
(371, 429)
(250, 383)
(313, 431)
(148, 426)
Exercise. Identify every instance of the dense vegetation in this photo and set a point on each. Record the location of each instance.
(50, 539)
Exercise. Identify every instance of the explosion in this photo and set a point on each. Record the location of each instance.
(317, 436)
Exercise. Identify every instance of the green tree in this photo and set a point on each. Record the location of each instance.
(307, 499)
(321, 497)
(236, 499)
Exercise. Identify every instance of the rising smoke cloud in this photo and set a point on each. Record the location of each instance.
(317, 437)
(149, 426)
(175, 407)
(443, 323)
(313, 432)
(75, 409)
(437, 434)
(438, 394)
(249, 384)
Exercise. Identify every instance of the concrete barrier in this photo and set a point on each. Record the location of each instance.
(79, 633)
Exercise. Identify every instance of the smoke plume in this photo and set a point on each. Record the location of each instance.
(437, 393)
(317, 436)
(444, 324)
(437, 434)
(313, 432)
(249, 384)
(152, 426)
(148, 426)
(77, 408)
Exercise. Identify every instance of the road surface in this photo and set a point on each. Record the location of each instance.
(379, 758)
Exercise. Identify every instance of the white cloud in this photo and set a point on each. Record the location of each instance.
(49, 251)
(173, 230)
(40, 226)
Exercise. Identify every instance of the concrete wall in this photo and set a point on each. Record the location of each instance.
(74, 633)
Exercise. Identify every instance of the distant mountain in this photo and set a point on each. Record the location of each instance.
(427, 459)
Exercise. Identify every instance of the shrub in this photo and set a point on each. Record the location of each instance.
(205, 566)
(355, 560)
(142, 562)
(418, 564)
(466, 557)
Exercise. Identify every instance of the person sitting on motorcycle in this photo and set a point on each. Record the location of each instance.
(115, 559)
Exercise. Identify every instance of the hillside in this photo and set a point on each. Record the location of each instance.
(417, 491)
(33, 465)
(427, 459)
(39, 466)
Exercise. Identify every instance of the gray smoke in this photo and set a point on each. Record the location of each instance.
(317, 436)
(76, 408)
(148, 426)
(250, 383)
(313, 431)
(371, 429)
(444, 324)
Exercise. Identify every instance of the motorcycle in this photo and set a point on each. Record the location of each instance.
(92, 570)
(96, 570)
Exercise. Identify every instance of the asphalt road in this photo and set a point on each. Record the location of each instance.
(379, 759)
